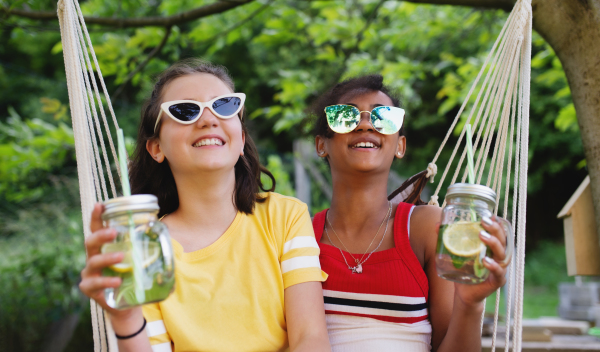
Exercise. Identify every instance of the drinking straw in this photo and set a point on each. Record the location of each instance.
(470, 167)
(123, 164)
(470, 154)
(136, 259)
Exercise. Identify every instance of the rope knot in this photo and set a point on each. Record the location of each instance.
(431, 171)
(434, 201)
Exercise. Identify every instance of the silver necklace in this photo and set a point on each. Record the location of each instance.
(357, 269)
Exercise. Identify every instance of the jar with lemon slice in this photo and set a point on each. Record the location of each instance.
(460, 252)
(147, 269)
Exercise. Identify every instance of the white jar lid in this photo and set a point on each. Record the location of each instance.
(472, 190)
(134, 203)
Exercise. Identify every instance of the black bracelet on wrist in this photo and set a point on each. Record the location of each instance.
(132, 335)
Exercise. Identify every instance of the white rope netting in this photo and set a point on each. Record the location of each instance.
(94, 165)
(501, 110)
(501, 117)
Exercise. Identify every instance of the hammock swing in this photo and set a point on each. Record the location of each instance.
(500, 109)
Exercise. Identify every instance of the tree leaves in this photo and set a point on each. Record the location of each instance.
(29, 151)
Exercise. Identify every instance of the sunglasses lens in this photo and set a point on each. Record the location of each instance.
(227, 106)
(387, 119)
(184, 111)
(342, 118)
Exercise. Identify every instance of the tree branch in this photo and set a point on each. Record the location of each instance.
(141, 66)
(167, 21)
(241, 23)
(506, 5)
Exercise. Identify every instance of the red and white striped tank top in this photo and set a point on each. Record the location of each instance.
(385, 306)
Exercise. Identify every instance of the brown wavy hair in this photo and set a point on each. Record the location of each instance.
(150, 177)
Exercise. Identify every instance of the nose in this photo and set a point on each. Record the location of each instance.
(365, 122)
(208, 119)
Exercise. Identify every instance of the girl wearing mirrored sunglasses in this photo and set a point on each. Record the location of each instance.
(246, 263)
(383, 292)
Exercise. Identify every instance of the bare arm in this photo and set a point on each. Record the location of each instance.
(305, 316)
(455, 309)
(124, 322)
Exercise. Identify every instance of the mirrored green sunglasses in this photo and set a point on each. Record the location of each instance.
(345, 118)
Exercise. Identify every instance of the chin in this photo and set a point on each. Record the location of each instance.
(365, 167)
(214, 164)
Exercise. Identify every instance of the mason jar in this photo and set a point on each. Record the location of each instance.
(148, 268)
(460, 252)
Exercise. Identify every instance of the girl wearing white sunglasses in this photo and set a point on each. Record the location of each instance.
(246, 263)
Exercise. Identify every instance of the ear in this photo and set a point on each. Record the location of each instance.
(320, 147)
(401, 147)
(243, 143)
(153, 148)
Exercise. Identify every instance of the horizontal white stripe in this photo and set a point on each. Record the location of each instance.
(374, 297)
(362, 325)
(162, 347)
(155, 328)
(375, 311)
(300, 263)
(300, 242)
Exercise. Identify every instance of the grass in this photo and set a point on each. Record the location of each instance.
(545, 268)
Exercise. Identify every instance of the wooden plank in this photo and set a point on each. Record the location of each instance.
(558, 326)
(570, 246)
(566, 210)
(559, 343)
(585, 237)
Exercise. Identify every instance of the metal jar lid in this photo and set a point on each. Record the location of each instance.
(471, 190)
(135, 203)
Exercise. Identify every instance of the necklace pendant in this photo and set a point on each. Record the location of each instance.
(357, 269)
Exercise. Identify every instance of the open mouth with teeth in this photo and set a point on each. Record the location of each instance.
(207, 142)
(364, 145)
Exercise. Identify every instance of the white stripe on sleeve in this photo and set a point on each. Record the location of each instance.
(300, 263)
(155, 328)
(300, 242)
(162, 347)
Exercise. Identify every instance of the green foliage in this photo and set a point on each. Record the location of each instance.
(30, 151)
(282, 178)
(41, 254)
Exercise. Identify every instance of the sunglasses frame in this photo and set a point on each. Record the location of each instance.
(164, 108)
(370, 117)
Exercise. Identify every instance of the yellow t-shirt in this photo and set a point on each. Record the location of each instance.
(229, 295)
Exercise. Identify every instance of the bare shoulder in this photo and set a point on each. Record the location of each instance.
(425, 218)
(423, 231)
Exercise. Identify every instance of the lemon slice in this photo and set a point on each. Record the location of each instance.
(149, 255)
(462, 239)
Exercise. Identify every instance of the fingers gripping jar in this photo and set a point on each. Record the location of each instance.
(460, 252)
(148, 268)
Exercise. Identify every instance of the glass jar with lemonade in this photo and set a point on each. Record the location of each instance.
(148, 268)
(460, 252)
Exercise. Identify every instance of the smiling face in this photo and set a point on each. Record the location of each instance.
(209, 144)
(364, 149)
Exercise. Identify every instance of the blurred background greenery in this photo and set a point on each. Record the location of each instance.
(282, 54)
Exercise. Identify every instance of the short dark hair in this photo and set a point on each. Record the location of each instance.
(358, 85)
(150, 177)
